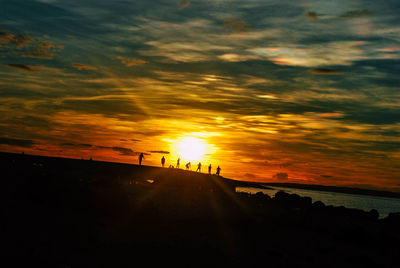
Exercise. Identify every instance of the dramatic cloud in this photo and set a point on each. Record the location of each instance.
(269, 87)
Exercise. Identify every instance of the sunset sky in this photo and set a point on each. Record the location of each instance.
(277, 91)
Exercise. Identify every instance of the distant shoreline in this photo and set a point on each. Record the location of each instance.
(336, 189)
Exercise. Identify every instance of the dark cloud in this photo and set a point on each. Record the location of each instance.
(110, 107)
(159, 152)
(250, 176)
(323, 71)
(125, 151)
(85, 145)
(121, 150)
(129, 140)
(23, 67)
(281, 176)
(356, 14)
(311, 15)
(17, 142)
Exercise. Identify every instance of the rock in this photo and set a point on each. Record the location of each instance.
(374, 214)
(318, 205)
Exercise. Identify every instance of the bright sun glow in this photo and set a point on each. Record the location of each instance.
(191, 149)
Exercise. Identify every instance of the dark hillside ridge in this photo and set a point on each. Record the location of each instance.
(59, 212)
(92, 170)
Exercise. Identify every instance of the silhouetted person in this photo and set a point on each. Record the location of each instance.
(178, 162)
(209, 169)
(163, 161)
(188, 165)
(218, 170)
(198, 167)
(141, 157)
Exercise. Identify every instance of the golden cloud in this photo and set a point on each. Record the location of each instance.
(81, 67)
(128, 62)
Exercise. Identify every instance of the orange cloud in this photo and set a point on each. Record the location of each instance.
(236, 24)
(17, 40)
(331, 115)
(184, 5)
(81, 67)
(131, 62)
(14, 43)
(237, 58)
(311, 15)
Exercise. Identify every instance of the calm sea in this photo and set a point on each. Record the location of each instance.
(384, 205)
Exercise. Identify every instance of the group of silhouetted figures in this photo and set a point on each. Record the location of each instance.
(188, 165)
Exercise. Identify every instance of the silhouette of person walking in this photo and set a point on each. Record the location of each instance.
(141, 157)
(218, 170)
(198, 167)
(178, 162)
(163, 161)
(188, 165)
(209, 169)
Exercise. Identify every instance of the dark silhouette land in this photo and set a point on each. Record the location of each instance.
(59, 212)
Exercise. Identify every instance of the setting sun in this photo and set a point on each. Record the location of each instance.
(191, 149)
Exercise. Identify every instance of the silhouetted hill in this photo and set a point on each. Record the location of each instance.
(91, 171)
(59, 212)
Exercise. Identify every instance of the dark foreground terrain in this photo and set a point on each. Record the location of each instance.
(77, 213)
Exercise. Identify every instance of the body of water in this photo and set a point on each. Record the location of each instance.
(384, 205)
